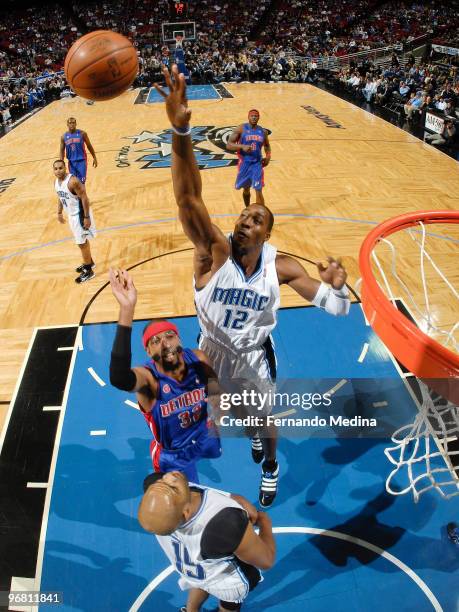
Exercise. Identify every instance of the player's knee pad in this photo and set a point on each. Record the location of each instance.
(229, 605)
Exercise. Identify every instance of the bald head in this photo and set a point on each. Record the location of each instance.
(157, 511)
(165, 504)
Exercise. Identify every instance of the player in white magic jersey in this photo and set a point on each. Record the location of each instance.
(208, 537)
(237, 280)
(72, 199)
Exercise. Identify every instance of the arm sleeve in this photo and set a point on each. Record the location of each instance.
(333, 301)
(223, 533)
(121, 375)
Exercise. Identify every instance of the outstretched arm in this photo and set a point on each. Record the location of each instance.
(334, 299)
(121, 374)
(210, 243)
(91, 149)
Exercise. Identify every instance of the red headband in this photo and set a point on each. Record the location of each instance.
(253, 110)
(156, 328)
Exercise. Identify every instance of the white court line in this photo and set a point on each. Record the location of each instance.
(79, 339)
(51, 408)
(318, 532)
(97, 378)
(16, 390)
(57, 326)
(364, 352)
(98, 432)
(21, 585)
(37, 485)
(52, 471)
(379, 404)
(132, 404)
(338, 386)
(65, 348)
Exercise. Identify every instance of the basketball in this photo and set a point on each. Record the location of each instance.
(101, 65)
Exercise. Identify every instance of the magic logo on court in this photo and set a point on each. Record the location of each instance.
(209, 147)
(153, 149)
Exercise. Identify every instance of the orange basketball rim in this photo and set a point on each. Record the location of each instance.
(422, 355)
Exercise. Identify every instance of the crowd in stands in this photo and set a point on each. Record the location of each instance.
(410, 90)
(239, 40)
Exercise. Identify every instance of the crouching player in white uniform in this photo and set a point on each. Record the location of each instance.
(237, 280)
(73, 199)
(209, 538)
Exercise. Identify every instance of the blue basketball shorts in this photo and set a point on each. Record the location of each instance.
(78, 168)
(205, 445)
(250, 175)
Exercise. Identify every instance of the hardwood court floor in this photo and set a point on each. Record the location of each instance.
(324, 184)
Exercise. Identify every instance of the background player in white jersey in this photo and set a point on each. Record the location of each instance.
(208, 537)
(73, 199)
(237, 280)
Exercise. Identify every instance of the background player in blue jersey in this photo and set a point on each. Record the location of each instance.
(248, 140)
(171, 387)
(73, 146)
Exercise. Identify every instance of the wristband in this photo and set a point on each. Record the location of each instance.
(87, 216)
(342, 293)
(182, 131)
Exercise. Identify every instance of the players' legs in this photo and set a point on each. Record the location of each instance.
(268, 436)
(79, 169)
(196, 597)
(82, 237)
(260, 198)
(246, 196)
(86, 253)
(244, 180)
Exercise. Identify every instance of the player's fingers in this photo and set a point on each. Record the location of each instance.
(174, 76)
(160, 90)
(182, 87)
(168, 78)
(320, 266)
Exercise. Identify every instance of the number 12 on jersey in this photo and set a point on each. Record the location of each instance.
(235, 319)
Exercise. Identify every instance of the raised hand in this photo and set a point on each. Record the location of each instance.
(176, 101)
(123, 288)
(333, 273)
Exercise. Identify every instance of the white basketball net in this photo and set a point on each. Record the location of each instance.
(425, 453)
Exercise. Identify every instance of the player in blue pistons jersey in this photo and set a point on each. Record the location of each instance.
(172, 387)
(248, 140)
(73, 146)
